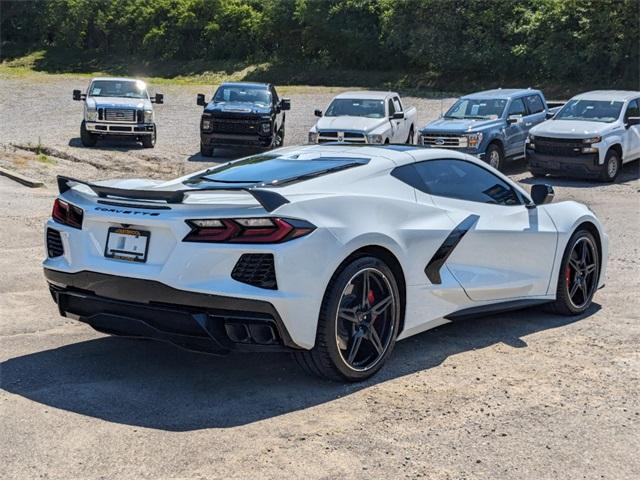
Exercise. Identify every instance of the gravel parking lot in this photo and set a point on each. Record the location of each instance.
(519, 395)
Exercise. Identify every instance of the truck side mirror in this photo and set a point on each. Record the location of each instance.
(159, 98)
(77, 95)
(542, 193)
(200, 100)
(632, 121)
(549, 115)
(285, 104)
(317, 113)
(398, 116)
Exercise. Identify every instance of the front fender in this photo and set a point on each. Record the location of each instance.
(606, 143)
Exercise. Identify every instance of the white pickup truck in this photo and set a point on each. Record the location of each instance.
(591, 136)
(365, 117)
(118, 107)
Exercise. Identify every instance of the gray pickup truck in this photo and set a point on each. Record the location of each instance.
(492, 125)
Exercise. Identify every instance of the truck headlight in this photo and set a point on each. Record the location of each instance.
(313, 137)
(92, 114)
(530, 142)
(374, 138)
(474, 139)
(266, 128)
(148, 116)
(206, 124)
(588, 148)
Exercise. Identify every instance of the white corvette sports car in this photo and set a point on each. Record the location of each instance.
(332, 252)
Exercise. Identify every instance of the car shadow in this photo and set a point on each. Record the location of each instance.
(120, 145)
(155, 385)
(629, 172)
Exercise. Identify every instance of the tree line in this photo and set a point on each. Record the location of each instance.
(594, 42)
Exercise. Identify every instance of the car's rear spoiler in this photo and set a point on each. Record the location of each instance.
(268, 199)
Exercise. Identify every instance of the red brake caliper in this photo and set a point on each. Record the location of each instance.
(567, 276)
(371, 297)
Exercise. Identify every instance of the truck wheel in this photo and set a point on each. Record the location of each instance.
(206, 151)
(149, 141)
(494, 156)
(538, 173)
(611, 167)
(410, 137)
(88, 139)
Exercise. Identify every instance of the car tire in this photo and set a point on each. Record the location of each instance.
(611, 167)
(149, 141)
(206, 151)
(358, 322)
(494, 156)
(87, 138)
(411, 136)
(578, 277)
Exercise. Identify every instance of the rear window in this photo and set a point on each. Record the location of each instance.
(275, 170)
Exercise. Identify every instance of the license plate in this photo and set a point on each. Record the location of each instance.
(127, 244)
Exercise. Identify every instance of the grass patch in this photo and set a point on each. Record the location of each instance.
(45, 159)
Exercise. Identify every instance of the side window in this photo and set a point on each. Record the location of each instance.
(392, 109)
(517, 107)
(534, 104)
(458, 179)
(633, 109)
(396, 104)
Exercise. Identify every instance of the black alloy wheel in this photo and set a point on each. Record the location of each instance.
(358, 323)
(578, 276)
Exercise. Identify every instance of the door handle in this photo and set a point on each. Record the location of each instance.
(528, 124)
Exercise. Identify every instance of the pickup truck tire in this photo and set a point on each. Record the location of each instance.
(88, 139)
(411, 136)
(149, 141)
(494, 156)
(610, 167)
(538, 173)
(206, 151)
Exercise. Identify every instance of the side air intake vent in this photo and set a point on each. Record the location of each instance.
(256, 269)
(54, 243)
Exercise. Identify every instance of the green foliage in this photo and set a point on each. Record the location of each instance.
(441, 42)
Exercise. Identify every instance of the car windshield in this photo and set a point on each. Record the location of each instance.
(480, 109)
(272, 170)
(355, 107)
(243, 94)
(590, 110)
(118, 88)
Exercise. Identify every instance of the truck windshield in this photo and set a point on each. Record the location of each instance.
(480, 109)
(118, 88)
(243, 94)
(590, 111)
(354, 107)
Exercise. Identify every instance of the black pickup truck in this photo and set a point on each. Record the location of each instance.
(242, 114)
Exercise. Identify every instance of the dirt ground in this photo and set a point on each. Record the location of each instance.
(523, 395)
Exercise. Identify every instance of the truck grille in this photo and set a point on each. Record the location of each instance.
(566, 147)
(126, 115)
(346, 137)
(235, 125)
(256, 269)
(444, 140)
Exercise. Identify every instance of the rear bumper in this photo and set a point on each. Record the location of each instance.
(235, 140)
(585, 165)
(207, 323)
(136, 129)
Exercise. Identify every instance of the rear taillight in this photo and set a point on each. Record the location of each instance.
(247, 230)
(67, 214)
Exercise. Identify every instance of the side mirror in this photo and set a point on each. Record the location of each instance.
(513, 119)
(200, 100)
(631, 121)
(542, 193)
(77, 95)
(159, 98)
(317, 113)
(398, 116)
(549, 115)
(285, 104)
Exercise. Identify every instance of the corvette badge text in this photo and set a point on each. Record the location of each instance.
(127, 212)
